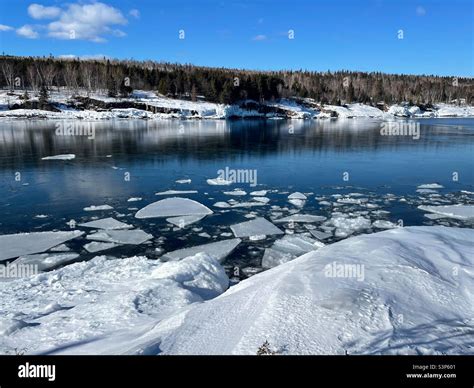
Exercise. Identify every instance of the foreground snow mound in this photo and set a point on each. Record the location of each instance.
(411, 294)
(100, 299)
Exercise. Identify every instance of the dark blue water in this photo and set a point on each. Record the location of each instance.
(305, 156)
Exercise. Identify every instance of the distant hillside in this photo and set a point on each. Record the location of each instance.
(120, 77)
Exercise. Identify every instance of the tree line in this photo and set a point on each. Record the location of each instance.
(118, 78)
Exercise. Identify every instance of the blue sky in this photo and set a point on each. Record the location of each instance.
(328, 35)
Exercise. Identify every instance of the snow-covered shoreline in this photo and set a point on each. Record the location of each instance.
(155, 107)
(400, 299)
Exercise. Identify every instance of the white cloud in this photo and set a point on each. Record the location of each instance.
(3, 27)
(38, 11)
(87, 22)
(27, 32)
(135, 13)
(259, 37)
(93, 22)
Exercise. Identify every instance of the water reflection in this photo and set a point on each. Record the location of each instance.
(28, 141)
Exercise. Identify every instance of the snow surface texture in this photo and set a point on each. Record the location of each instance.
(101, 298)
(411, 301)
(206, 110)
(14, 245)
(411, 295)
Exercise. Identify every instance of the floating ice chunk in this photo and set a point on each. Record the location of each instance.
(258, 237)
(106, 223)
(222, 205)
(426, 191)
(93, 208)
(183, 221)
(248, 204)
(134, 199)
(204, 234)
(383, 224)
(46, 261)
(60, 157)
(324, 203)
(352, 201)
(260, 193)
(41, 216)
(173, 207)
(320, 235)
(255, 227)
(60, 248)
(237, 192)
(95, 246)
(303, 218)
(14, 245)
(297, 195)
(261, 199)
(430, 186)
(218, 250)
(176, 192)
(288, 248)
(432, 216)
(345, 225)
(183, 181)
(134, 237)
(297, 202)
(460, 212)
(219, 182)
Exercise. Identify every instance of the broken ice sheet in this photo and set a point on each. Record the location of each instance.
(46, 261)
(236, 192)
(106, 223)
(183, 181)
(430, 186)
(176, 192)
(320, 235)
(288, 248)
(218, 182)
(98, 207)
(95, 246)
(173, 207)
(60, 157)
(14, 245)
(460, 212)
(383, 224)
(303, 218)
(256, 227)
(134, 237)
(218, 250)
(183, 221)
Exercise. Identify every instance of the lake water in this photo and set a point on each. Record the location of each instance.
(139, 158)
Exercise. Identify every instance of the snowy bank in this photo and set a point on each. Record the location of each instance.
(402, 291)
(149, 105)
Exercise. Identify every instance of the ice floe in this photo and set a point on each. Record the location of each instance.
(106, 223)
(256, 227)
(46, 261)
(303, 218)
(184, 221)
(60, 157)
(288, 248)
(134, 236)
(93, 208)
(95, 246)
(460, 212)
(15, 245)
(173, 207)
(218, 250)
(177, 192)
(219, 182)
